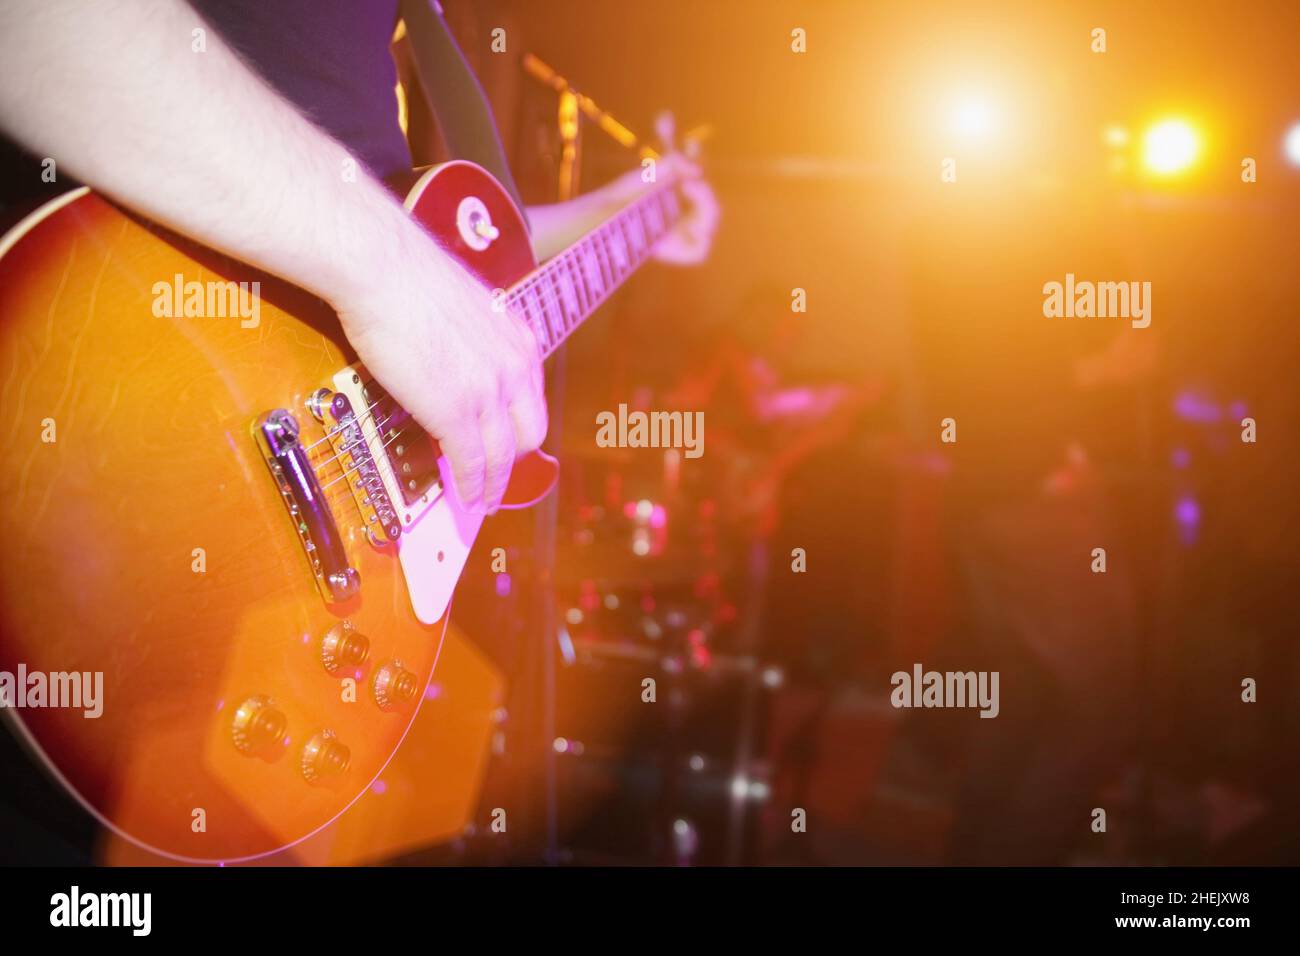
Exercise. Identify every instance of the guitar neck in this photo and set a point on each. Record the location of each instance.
(559, 295)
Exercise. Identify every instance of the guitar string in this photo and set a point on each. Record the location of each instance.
(667, 219)
(360, 441)
(346, 492)
(570, 258)
(569, 272)
(317, 466)
(517, 294)
(551, 337)
(574, 260)
(370, 414)
(392, 438)
(331, 433)
(545, 299)
(592, 305)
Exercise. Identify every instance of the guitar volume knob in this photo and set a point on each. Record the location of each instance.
(343, 646)
(324, 757)
(394, 685)
(258, 728)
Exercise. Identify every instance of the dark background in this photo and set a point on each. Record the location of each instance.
(1119, 691)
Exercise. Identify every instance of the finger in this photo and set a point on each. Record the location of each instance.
(704, 204)
(681, 251)
(528, 416)
(686, 169)
(666, 130)
(499, 447)
(463, 446)
(533, 379)
(530, 343)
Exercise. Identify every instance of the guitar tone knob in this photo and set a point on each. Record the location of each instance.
(343, 646)
(394, 685)
(258, 728)
(323, 757)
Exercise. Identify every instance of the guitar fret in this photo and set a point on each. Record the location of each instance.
(617, 263)
(561, 294)
(570, 306)
(636, 251)
(655, 221)
(532, 306)
(554, 305)
(648, 236)
(621, 258)
(580, 293)
(591, 272)
(598, 264)
(519, 305)
(638, 231)
(603, 265)
(617, 251)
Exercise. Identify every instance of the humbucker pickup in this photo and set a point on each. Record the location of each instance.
(412, 454)
(402, 454)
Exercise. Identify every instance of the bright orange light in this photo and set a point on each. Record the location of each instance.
(1170, 147)
(973, 118)
(1292, 144)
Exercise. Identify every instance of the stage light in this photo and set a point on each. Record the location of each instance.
(1116, 138)
(1170, 147)
(973, 118)
(1292, 144)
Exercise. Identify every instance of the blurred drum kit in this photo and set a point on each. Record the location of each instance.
(656, 626)
(656, 699)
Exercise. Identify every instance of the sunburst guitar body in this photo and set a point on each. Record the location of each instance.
(221, 518)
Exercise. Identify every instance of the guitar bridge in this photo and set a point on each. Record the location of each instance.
(276, 434)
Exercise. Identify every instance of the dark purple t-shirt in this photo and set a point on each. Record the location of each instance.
(331, 59)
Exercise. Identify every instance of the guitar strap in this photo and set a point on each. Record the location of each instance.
(455, 95)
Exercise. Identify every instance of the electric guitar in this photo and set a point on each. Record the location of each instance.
(229, 520)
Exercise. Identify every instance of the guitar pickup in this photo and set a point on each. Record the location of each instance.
(412, 454)
(276, 434)
(401, 453)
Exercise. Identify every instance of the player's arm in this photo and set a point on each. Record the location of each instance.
(117, 93)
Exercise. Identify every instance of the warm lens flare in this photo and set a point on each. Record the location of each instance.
(1170, 147)
(1292, 145)
(973, 118)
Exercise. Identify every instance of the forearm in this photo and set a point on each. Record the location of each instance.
(193, 140)
(557, 226)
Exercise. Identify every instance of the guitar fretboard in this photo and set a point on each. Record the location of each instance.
(560, 294)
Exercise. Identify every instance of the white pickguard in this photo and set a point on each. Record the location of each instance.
(437, 533)
(433, 552)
